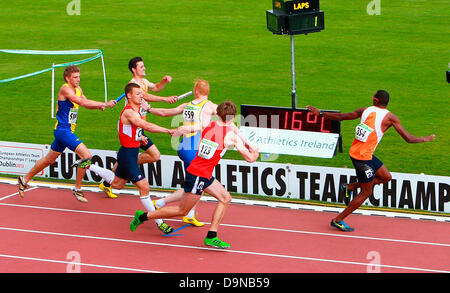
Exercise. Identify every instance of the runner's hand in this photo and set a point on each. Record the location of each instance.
(314, 110)
(429, 138)
(167, 78)
(144, 140)
(171, 99)
(174, 132)
(111, 103)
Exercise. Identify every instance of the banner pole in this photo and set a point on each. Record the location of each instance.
(53, 91)
(104, 78)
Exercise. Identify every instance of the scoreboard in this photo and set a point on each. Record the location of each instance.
(295, 17)
(295, 6)
(283, 118)
(288, 119)
(292, 17)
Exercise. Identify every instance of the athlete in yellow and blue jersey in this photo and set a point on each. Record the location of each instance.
(197, 115)
(66, 121)
(70, 98)
(192, 115)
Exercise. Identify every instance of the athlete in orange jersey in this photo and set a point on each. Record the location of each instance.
(375, 121)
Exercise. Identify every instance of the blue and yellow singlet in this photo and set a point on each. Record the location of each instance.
(189, 144)
(67, 113)
(192, 114)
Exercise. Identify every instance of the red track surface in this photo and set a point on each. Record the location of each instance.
(43, 231)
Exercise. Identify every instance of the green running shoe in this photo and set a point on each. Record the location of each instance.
(216, 242)
(165, 228)
(82, 163)
(136, 222)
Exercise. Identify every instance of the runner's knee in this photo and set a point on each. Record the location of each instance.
(49, 160)
(387, 178)
(226, 198)
(155, 156)
(144, 189)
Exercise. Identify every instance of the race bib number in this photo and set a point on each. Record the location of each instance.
(138, 134)
(190, 114)
(143, 112)
(73, 115)
(207, 149)
(362, 132)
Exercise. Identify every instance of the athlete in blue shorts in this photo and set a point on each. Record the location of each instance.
(130, 125)
(151, 153)
(70, 98)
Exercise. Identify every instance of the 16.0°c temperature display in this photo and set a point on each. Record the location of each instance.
(287, 118)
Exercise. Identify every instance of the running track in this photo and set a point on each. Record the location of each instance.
(49, 231)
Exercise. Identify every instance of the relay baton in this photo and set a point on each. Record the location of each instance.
(179, 97)
(120, 98)
(184, 95)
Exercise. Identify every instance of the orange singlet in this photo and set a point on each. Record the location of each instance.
(368, 133)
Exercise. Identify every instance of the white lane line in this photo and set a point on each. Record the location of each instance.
(245, 226)
(77, 263)
(226, 251)
(342, 235)
(17, 193)
(65, 210)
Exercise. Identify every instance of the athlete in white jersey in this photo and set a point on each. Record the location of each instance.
(375, 121)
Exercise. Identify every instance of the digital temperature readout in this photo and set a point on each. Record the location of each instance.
(287, 118)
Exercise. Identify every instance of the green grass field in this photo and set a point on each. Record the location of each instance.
(405, 51)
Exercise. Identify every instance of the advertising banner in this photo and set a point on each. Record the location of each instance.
(19, 158)
(405, 191)
(291, 142)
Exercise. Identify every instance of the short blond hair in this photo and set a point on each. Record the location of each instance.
(201, 87)
(69, 70)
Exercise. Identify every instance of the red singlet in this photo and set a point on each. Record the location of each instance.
(210, 150)
(129, 135)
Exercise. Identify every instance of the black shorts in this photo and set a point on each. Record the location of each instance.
(149, 143)
(365, 170)
(195, 184)
(127, 166)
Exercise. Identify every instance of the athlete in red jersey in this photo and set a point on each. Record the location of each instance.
(216, 138)
(375, 121)
(151, 153)
(210, 150)
(130, 127)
